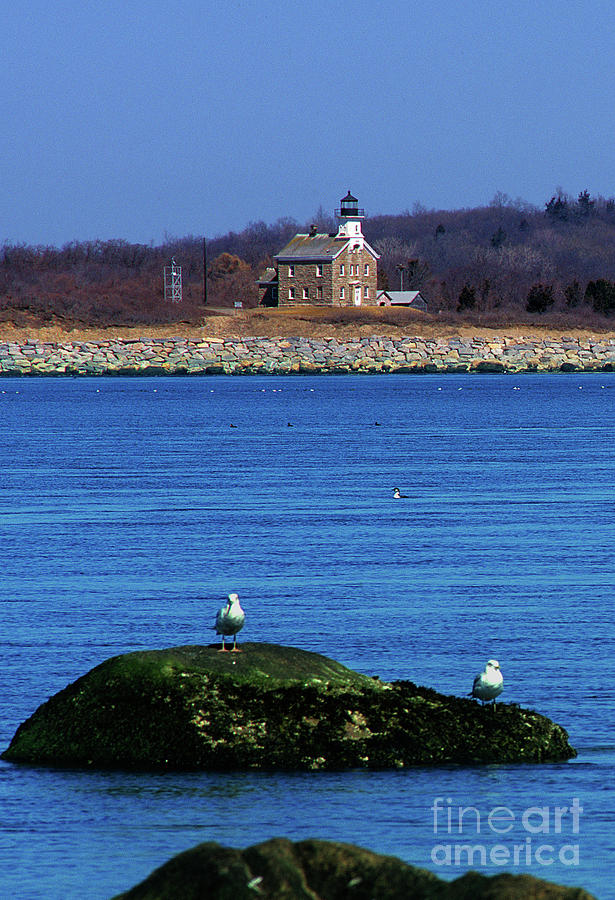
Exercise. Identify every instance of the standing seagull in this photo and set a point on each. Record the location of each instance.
(229, 621)
(489, 684)
(398, 496)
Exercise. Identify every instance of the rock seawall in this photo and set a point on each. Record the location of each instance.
(263, 355)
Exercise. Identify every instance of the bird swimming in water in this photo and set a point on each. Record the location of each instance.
(489, 684)
(229, 621)
(398, 496)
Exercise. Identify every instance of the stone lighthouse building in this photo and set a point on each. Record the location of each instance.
(339, 269)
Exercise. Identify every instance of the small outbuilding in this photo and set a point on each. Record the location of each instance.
(413, 299)
(268, 287)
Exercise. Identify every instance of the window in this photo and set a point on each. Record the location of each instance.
(342, 269)
(291, 293)
(366, 270)
(319, 270)
(366, 292)
(291, 271)
(306, 294)
(352, 270)
(341, 293)
(319, 293)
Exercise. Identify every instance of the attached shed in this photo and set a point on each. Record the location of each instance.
(268, 287)
(413, 299)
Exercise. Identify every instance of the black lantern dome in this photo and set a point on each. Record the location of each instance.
(349, 208)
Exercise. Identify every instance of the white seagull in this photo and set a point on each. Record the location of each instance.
(229, 621)
(398, 496)
(489, 684)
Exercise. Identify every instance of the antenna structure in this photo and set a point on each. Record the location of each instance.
(173, 282)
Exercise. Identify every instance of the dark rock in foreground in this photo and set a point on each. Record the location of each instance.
(323, 870)
(268, 707)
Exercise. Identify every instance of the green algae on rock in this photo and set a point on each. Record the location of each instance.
(268, 707)
(325, 870)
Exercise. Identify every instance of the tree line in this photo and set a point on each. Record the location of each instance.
(508, 261)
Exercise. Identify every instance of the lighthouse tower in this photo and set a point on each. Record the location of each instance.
(349, 218)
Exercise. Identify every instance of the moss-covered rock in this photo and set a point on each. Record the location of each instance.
(268, 707)
(324, 870)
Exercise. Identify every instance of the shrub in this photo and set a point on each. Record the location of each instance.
(467, 298)
(540, 298)
(601, 295)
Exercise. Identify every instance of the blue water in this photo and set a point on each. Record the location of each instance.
(130, 508)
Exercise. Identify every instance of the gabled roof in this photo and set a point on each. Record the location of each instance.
(312, 246)
(316, 247)
(268, 277)
(404, 298)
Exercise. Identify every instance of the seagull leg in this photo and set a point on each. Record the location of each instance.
(235, 647)
(223, 648)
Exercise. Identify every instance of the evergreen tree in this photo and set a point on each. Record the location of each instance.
(467, 298)
(498, 238)
(540, 298)
(573, 293)
(601, 295)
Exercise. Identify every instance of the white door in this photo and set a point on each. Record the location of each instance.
(357, 295)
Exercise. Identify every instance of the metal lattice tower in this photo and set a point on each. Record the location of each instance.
(173, 282)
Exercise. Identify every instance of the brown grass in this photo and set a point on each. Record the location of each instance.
(306, 321)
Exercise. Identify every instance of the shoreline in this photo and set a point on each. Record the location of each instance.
(249, 355)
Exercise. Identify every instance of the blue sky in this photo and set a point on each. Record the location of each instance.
(138, 120)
